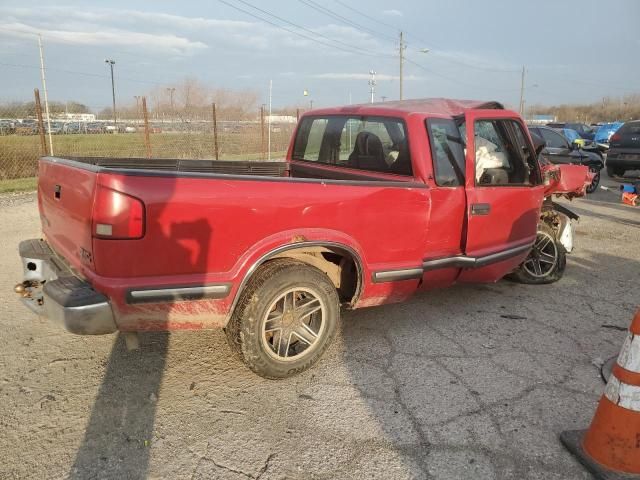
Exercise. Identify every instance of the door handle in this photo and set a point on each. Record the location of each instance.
(480, 209)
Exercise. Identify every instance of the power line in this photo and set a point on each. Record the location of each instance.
(455, 80)
(293, 31)
(365, 15)
(340, 18)
(446, 59)
(84, 74)
(338, 42)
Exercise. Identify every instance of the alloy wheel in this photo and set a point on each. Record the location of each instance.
(293, 324)
(543, 257)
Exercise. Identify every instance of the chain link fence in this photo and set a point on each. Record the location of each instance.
(198, 132)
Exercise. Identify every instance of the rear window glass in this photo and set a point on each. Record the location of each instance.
(631, 127)
(376, 144)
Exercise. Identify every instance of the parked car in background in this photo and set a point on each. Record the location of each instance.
(26, 127)
(605, 131)
(585, 131)
(55, 128)
(624, 149)
(74, 127)
(130, 129)
(574, 137)
(560, 150)
(94, 127)
(7, 127)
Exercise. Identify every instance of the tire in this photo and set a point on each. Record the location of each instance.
(528, 274)
(268, 334)
(615, 171)
(596, 180)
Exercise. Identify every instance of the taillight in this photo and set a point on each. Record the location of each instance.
(616, 137)
(117, 215)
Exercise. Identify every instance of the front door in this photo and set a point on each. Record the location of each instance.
(557, 147)
(504, 194)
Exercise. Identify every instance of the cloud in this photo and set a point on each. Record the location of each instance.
(393, 13)
(189, 35)
(162, 42)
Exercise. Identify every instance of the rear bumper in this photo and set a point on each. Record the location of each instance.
(52, 290)
(629, 161)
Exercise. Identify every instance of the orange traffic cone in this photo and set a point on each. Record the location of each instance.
(610, 448)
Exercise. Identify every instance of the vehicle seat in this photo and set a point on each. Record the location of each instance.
(368, 153)
(494, 176)
(402, 165)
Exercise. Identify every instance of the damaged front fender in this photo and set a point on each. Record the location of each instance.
(569, 181)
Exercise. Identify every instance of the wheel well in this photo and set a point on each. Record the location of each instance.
(340, 265)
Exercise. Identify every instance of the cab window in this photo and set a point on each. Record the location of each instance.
(503, 155)
(376, 144)
(447, 152)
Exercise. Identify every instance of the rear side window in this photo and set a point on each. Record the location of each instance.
(447, 152)
(376, 144)
(553, 139)
(502, 155)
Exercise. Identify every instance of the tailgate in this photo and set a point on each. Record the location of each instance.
(65, 199)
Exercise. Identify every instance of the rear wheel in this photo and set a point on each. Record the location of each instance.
(546, 261)
(285, 319)
(615, 171)
(596, 180)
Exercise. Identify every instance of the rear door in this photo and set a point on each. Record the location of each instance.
(504, 194)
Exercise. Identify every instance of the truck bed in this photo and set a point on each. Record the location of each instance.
(255, 168)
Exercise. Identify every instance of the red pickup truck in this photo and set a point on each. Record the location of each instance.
(373, 203)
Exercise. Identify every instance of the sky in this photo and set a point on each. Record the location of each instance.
(572, 50)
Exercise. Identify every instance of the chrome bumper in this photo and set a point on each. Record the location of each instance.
(52, 290)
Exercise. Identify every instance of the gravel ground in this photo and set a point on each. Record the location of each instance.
(470, 382)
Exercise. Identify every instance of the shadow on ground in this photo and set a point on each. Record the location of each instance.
(469, 382)
(120, 428)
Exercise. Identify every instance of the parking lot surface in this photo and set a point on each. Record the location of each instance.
(469, 382)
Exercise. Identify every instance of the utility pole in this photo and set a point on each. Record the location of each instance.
(137, 97)
(171, 90)
(46, 99)
(111, 63)
(269, 121)
(522, 92)
(372, 84)
(401, 50)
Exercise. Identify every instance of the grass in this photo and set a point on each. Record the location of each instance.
(18, 185)
(19, 154)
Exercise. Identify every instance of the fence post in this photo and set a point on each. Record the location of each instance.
(147, 140)
(43, 141)
(262, 144)
(215, 129)
(297, 115)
